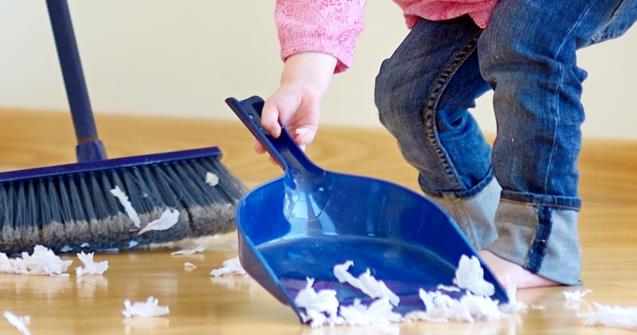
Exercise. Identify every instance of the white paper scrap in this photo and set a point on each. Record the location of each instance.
(448, 288)
(573, 299)
(378, 313)
(230, 266)
(189, 266)
(365, 282)
(576, 296)
(19, 322)
(167, 220)
(128, 207)
(43, 261)
(212, 179)
(442, 308)
(513, 306)
(317, 305)
(319, 308)
(147, 309)
(90, 266)
(470, 276)
(611, 316)
(317, 319)
(185, 252)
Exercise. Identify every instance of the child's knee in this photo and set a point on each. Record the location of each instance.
(512, 54)
(389, 96)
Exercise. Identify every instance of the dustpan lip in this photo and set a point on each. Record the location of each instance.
(253, 249)
(109, 164)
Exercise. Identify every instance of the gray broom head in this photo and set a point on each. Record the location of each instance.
(71, 207)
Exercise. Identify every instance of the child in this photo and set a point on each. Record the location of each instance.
(516, 202)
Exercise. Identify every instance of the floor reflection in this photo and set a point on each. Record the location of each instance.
(39, 286)
(87, 286)
(238, 283)
(137, 324)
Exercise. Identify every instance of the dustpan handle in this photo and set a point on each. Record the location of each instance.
(283, 149)
(89, 147)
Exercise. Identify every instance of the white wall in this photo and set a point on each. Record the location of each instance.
(183, 58)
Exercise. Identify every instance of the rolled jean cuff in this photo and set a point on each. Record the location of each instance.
(486, 181)
(541, 238)
(474, 215)
(555, 201)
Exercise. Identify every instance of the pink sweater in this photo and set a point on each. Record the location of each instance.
(332, 26)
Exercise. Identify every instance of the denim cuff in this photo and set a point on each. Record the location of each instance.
(466, 193)
(542, 239)
(555, 201)
(474, 215)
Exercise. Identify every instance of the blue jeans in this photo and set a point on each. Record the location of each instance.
(519, 198)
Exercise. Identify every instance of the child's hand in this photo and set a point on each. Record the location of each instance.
(296, 103)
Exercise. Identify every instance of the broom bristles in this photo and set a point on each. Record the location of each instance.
(76, 211)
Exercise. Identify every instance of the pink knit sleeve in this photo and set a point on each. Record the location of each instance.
(326, 26)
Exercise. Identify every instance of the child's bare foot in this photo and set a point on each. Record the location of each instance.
(516, 274)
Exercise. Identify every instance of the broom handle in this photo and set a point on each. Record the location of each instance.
(89, 147)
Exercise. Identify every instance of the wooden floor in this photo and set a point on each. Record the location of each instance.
(202, 304)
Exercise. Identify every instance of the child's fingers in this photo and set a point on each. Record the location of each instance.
(304, 135)
(296, 109)
(280, 107)
(261, 150)
(270, 118)
(303, 129)
(258, 147)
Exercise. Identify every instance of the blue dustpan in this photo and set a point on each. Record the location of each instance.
(305, 222)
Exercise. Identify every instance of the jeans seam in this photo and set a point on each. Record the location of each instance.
(484, 183)
(431, 104)
(556, 90)
(556, 124)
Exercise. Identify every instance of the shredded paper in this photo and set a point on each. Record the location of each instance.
(365, 282)
(149, 308)
(187, 252)
(573, 299)
(90, 266)
(322, 308)
(611, 316)
(42, 262)
(168, 218)
(128, 207)
(231, 266)
(212, 179)
(189, 266)
(21, 323)
(470, 276)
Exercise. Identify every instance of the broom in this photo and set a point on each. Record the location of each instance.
(72, 207)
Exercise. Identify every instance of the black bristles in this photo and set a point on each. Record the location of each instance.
(77, 211)
(99, 198)
(109, 200)
(227, 184)
(161, 187)
(76, 204)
